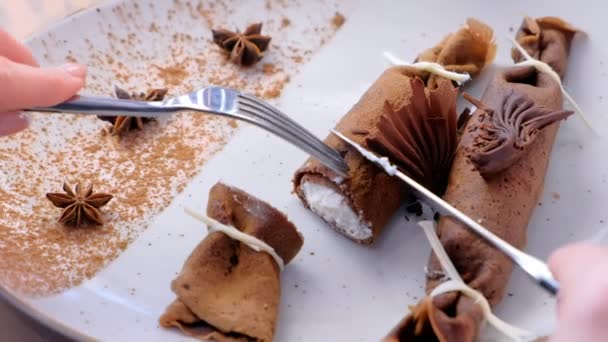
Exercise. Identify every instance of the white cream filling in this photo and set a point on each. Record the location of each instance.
(455, 283)
(433, 68)
(338, 179)
(333, 207)
(235, 234)
(546, 68)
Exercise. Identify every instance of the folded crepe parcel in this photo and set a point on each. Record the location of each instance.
(226, 291)
(360, 205)
(497, 177)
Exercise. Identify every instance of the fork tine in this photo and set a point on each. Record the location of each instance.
(315, 144)
(328, 159)
(270, 114)
(275, 113)
(338, 166)
(302, 139)
(287, 134)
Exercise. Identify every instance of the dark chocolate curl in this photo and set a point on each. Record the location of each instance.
(420, 137)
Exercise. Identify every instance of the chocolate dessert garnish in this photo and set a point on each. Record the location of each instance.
(420, 137)
(123, 124)
(353, 210)
(245, 48)
(359, 131)
(463, 120)
(79, 205)
(226, 290)
(504, 204)
(503, 134)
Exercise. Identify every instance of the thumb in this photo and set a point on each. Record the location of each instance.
(583, 296)
(571, 264)
(25, 86)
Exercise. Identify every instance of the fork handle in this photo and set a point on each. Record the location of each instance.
(97, 105)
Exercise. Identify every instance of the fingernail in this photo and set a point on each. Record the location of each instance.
(12, 123)
(76, 70)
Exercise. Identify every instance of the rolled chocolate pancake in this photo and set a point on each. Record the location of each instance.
(360, 205)
(226, 291)
(497, 177)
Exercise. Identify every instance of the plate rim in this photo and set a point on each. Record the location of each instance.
(46, 320)
(65, 18)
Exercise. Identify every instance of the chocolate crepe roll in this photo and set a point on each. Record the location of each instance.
(360, 205)
(226, 291)
(497, 177)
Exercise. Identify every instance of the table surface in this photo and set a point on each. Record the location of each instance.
(21, 19)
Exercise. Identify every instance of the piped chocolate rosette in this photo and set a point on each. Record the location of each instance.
(497, 177)
(229, 289)
(413, 104)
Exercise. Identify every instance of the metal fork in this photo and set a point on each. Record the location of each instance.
(214, 100)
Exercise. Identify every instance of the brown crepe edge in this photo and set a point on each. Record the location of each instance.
(480, 47)
(293, 238)
(425, 318)
(189, 324)
(231, 205)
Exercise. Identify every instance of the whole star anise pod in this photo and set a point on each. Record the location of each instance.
(244, 48)
(123, 124)
(79, 205)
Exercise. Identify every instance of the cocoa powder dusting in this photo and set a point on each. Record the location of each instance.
(172, 75)
(338, 20)
(146, 169)
(285, 22)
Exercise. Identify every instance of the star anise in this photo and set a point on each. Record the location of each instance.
(245, 48)
(123, 124)
(79, 205)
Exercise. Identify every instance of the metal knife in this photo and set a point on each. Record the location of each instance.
(534, 267)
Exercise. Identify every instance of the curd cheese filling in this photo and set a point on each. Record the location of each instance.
(333, 207)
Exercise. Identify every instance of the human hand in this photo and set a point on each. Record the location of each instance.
(23, 84)
(582, 303)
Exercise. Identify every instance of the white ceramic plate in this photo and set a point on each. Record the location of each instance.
(337, 290)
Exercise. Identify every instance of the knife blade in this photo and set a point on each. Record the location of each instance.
(534, 267)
